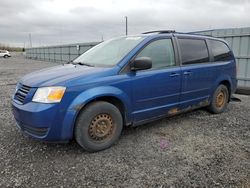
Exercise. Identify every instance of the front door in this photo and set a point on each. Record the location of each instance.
(156, 91)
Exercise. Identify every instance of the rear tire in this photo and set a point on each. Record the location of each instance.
(219, 100)
(98, 126)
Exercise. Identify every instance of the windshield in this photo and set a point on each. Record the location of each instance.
(110, 52)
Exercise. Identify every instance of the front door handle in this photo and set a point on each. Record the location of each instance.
(187, 73)
(174, 74)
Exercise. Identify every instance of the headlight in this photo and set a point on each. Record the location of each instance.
(49, 94)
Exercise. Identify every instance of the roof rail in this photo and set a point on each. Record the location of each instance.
(197, 33)
(160, 31)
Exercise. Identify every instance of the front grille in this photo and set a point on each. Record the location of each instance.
(21, 93)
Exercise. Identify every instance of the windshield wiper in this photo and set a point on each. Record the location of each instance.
(81, 63)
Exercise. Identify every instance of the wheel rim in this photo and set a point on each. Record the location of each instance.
(101, 127)
(220, 99)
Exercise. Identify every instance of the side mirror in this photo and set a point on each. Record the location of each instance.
(141, 63)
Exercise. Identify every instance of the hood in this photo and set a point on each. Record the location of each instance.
(58, 75)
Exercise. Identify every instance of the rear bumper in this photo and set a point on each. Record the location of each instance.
(43, 121)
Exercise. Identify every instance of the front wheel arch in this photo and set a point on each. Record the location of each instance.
(110, 99)
(83, 124)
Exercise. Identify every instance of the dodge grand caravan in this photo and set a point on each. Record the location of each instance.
(125, 81)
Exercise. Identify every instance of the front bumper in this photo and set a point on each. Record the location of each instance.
(34, 131)
(43, 121)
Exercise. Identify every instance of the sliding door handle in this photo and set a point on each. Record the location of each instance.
(187, 73)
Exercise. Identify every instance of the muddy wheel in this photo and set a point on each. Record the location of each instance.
(98, 126)
(219, 100)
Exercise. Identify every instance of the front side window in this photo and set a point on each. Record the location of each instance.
(110, 52)
(161, 53)
(193, 51)
(220, 51)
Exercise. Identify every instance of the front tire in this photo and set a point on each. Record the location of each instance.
(219, 100)
(98, 126)
(5, 56)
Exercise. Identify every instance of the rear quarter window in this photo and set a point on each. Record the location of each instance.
(193, 51)
(220, 51)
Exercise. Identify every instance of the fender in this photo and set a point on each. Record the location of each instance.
(102, 91)
(89, 95)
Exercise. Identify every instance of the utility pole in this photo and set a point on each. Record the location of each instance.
(126, 18)
(30, 40)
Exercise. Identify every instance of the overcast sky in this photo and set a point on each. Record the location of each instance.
(71, 21)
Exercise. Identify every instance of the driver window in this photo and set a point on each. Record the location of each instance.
(161, 53)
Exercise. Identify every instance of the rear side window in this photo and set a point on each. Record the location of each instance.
(220, 51)
(193, 51)
(161, 52)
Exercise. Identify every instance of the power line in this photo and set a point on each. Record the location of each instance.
(126, 18)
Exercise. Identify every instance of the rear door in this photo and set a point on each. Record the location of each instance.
(197, 71)
(157, 90)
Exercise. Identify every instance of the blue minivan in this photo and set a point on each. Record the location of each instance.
(125, 81)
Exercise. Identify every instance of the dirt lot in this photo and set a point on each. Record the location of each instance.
(193, 149)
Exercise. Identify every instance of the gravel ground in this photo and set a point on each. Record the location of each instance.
(190, 150)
